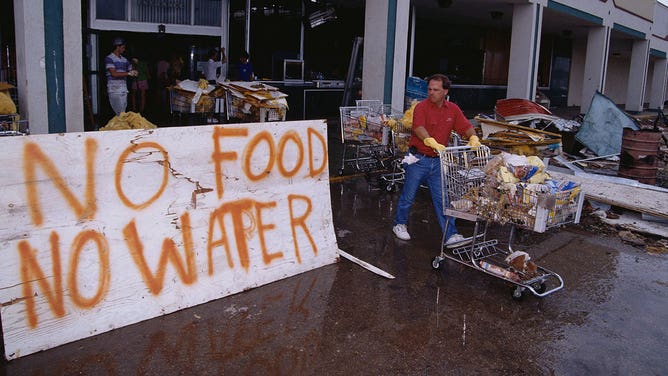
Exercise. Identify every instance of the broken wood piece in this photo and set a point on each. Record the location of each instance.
(636, 198)
(366, 265)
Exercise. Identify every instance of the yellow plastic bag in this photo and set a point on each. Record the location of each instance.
(7, 106)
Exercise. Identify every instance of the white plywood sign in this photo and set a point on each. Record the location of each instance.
(100, 230)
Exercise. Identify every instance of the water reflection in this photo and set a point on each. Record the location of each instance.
(268, 330)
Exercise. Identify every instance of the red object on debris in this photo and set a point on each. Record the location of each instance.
(518, 106)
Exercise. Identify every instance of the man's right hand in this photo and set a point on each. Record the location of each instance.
(429, 141)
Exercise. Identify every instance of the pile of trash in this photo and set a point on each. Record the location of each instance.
(249, 100)
(128, 120)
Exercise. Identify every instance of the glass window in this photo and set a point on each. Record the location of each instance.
(207, 12)
(275, 35)
(161, 11)
(110, 10)
(275, 29)
(327, 47)
(237, 35)
(456, 51)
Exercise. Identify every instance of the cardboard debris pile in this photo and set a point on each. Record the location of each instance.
(524, 127)
(193, 96)
(255, 101)
(518, 139)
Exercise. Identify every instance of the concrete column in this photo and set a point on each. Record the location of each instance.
(385, 50)
(30, 64)
(635, 89)
(73, 78)
(524, 50)
(400, 54)
(659, 78)
(375, 48)
(596, 61)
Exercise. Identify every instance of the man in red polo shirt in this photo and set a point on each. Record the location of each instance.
(433, 120)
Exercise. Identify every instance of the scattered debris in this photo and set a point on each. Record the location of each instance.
(639, 197)
(517, 139)
(633, 221)
(602, 126)
(611, 215)
(658, 248)
(632, 238)
(365, 265)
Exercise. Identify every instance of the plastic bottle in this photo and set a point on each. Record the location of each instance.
(499, 271)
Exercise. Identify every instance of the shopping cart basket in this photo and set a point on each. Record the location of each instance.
(365, 139)
(395, 173)
(464, 179)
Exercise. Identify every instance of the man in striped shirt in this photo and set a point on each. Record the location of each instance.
(118, 69)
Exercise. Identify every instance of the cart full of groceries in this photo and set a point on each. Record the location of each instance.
(506, 189)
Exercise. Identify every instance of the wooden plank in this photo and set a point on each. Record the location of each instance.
(366, 265)
(633, 198)
(99, 230)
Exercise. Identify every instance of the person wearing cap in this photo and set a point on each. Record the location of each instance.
(118, 69)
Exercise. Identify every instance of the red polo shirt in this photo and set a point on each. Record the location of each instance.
(439, 122)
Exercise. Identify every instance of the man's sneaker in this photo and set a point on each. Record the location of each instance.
(401, 232)
(457, 240)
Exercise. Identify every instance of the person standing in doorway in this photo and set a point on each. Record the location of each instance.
(139, 85)
(162, 83)
(433, 120)
(216, 60)
(245, 68)
(118, 70)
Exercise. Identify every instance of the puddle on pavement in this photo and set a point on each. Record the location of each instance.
(624, 330)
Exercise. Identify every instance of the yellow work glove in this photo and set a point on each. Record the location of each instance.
(429, 141)
(474, 142)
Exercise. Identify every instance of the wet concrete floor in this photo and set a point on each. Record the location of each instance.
(610, 318)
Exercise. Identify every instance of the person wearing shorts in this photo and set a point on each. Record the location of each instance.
(139, 85)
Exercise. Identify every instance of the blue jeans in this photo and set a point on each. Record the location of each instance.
(425, 171)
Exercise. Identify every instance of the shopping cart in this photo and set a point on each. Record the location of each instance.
(182, 104)
(395, 173)
(365, 139)
(465, 181)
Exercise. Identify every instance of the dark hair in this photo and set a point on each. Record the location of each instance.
(440, 77)
(245, 55)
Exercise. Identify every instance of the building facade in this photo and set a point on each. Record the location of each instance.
(491, 49)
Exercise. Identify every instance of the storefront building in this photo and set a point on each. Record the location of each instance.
(491, 49)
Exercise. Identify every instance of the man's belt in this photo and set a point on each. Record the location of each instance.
(413, 150)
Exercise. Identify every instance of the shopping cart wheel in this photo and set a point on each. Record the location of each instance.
(517, 293)
(436, 263)
(539, 287)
